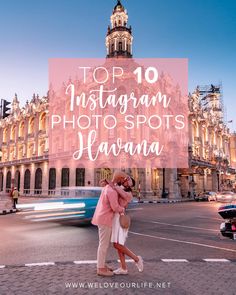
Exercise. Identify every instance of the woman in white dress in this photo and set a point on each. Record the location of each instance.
(119, 234)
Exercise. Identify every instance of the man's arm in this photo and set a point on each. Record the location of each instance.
(113, 200)
(123, 194)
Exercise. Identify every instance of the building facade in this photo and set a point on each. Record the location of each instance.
(24, 142)
(209, 144)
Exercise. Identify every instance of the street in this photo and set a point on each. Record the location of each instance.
(160, 233)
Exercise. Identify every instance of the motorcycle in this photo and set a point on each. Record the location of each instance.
(228, 213)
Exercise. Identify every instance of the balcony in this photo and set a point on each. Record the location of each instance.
(118, 29)
(34, 159)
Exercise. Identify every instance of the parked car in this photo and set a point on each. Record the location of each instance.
(206, 196)
(212, 196)
(226, 196)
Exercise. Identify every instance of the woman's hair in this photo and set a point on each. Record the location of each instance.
(129, 189)
(133, 181)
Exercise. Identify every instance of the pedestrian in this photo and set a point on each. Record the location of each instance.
(103, 216)
(15, 196)
(119, 234)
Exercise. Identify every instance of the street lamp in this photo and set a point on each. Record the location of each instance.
(164, 193)
(218, 157)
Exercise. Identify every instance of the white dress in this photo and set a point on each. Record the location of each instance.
(118, 234)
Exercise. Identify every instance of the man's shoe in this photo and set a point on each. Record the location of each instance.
(105, 273)
(139, 264)
(109, 268)
(120, 271)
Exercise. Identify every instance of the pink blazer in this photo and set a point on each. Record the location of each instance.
(107, 205)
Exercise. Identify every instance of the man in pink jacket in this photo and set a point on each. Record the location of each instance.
(103, 216)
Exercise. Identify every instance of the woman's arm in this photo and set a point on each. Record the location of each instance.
(124, 195)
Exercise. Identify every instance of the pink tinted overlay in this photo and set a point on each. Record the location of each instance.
(118, 113)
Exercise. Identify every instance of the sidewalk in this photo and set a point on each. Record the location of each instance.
(6, 205)
(172, 278)
(155, 200)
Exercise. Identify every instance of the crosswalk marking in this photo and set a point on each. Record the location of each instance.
(40, 264)
(216, 260)
(174, 260)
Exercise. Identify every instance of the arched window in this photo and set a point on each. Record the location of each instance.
(27, 181)
(8, 183)
(38, 181)
(80, 177)
(22, 129)
(1, 181)
(65, 177)
(52, 179)
(120, 46)
(13, 133)
(112, 47)
(105, 173)
(31, 126)
(5, 135)
(42, 122)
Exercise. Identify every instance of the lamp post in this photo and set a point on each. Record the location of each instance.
(164, 194)
(218, 156)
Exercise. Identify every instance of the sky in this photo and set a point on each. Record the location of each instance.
(31, 32)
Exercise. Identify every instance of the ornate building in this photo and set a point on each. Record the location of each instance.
(24, 142)
(24, 146)
(233, 156)
(209, 144)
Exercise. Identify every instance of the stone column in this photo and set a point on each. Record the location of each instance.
(45, 180)
(148, 182)
(142, 181)
(171, 183)
(22, 176)
(58, 178)
(13, 172)
(214, 181)
(16, 140)
(32, 178)
(36, 131)
(72, 176)
(89, 176)
(4, 179)
(205, 180)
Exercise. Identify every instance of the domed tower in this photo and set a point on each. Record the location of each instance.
(119, 36)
